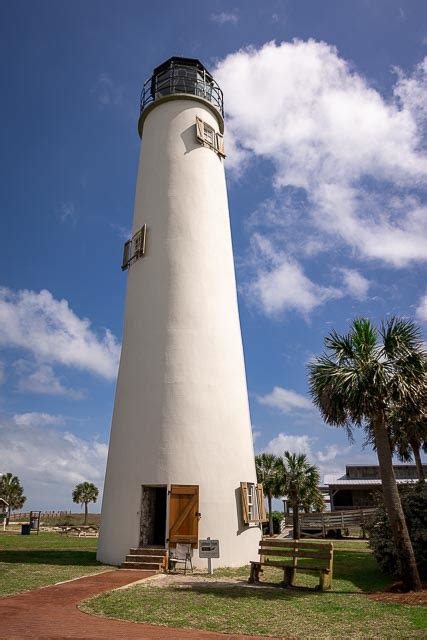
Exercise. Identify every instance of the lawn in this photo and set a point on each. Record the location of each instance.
(346, 611)
(28, 562)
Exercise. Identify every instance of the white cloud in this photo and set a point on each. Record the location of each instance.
(108, 93)
(295, 444)
(286, 400)
(356, 284)
(332, 459)
(326, 131)
(411, 90)
(331, 452)
(52, 332)
(68, 213)
(281, 285)
(50, 462)
(421, 312)
(37, 419)
(42, 380)
(225, 17)
(2, 373)
(123, 232)
(255, 434)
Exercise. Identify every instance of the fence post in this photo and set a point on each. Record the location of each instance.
(362, 522)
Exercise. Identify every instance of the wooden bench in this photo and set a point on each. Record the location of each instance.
(284, 554)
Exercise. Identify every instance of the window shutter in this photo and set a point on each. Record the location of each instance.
(200, 128)
(126, 254)
(139, 242)
(261, 503)
(220, 145)
(245, 506)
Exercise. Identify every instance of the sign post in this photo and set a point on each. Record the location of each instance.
(209, 549)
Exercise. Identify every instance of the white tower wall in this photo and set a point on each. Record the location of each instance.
(181, 411)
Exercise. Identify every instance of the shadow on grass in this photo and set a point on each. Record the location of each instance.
(267, 592)
(354, 572)
(53, 557)
(361, 569)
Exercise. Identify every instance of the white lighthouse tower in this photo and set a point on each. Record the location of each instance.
(181, 461)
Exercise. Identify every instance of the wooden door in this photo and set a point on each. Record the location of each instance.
(184, 514)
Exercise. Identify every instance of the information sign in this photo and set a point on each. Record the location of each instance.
(208, 548)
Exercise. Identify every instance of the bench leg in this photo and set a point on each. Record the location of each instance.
(288, 576)
(252, 575)
(324, 581)
(255, 571)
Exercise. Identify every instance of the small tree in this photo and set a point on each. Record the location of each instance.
(84, 493)
(12, 492)
(269, 471)
(300, 483)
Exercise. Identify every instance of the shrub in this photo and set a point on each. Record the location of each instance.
(414, 503)
(277, 519)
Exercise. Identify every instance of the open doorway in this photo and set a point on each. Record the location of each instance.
(153, 516)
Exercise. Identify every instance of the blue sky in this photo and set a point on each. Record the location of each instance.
(326, 167)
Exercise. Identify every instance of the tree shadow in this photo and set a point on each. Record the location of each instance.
(266, 591)
(50, 556)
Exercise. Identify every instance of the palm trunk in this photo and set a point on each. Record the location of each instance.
(393, 506)
(85, 522)
(295, 519)
(270, 514)
(415, 446)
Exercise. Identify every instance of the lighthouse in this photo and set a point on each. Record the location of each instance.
(181, 464)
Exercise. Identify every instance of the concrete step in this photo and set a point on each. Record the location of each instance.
(149, 566)
(133, 557)
(147, 551)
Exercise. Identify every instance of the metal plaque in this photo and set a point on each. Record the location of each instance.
(208, 548)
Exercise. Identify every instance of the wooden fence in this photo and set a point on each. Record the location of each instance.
(24, 516)
(318, 524)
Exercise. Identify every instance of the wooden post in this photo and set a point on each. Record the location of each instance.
(362, 522)
(323, 525)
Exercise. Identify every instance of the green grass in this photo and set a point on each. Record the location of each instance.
(345, 612)
(29, 562)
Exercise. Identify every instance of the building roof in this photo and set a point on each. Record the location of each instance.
(347, 482)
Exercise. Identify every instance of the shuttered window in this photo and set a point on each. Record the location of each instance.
(220, 145)
(134, 248)
(207, 136)
(253, 508)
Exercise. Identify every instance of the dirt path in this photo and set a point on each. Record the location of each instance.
(51, 613)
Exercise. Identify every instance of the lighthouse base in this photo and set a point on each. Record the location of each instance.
(177, 514)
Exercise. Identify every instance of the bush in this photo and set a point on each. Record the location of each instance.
(277, 519)
(414, 503)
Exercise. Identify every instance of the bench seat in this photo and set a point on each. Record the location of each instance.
(291, 551)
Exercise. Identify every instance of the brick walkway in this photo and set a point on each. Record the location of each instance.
(51, 613)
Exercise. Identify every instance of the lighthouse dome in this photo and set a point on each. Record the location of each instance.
(181, 78)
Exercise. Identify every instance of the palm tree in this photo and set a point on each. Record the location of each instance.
(300, 483)
(12, 492)
(356, 382)
(269, 473)
(84, 493)
(408, 436)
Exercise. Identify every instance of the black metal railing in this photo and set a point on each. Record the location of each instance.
(181, 78)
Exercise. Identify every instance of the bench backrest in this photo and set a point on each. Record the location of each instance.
(281, 550)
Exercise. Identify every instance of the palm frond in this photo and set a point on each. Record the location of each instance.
(400, 338)
(340, 346)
